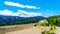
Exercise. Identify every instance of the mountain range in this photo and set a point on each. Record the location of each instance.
(4, 19)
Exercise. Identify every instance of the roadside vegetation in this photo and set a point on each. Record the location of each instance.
(52, 22)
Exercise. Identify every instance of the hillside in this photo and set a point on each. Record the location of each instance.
(13, 20)
(54, 20)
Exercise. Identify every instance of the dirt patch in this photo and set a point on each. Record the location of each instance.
(5, 29)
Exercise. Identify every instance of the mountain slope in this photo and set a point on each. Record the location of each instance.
(18, 20)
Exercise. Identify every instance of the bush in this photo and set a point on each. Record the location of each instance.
(43, 23)
(51, 31)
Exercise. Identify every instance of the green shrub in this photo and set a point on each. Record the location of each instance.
(43, 23)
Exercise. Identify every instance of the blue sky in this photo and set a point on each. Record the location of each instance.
(30, 7)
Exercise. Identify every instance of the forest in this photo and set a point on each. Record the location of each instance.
(54, 20)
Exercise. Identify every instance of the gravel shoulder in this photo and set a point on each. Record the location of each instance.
(33, 30)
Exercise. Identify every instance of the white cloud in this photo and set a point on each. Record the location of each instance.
(19, 13)
(20, 5)
(7, 12)
(28, 14)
